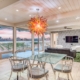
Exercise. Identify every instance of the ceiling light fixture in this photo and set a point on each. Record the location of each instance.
(38, 24)
(59, 7)
(30, 15)
(17, 10)
(5, 18)
(77, 18)
(57, 21)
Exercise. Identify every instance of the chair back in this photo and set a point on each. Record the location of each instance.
(15, 61)
(37, 70)
(68, 61)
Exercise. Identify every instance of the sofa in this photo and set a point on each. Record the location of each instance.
(76, 48)
(62, 51)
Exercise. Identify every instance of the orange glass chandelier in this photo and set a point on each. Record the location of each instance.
(38, 25)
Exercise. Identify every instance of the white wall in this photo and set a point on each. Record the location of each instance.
(61, 38)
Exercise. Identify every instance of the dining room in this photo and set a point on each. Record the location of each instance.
(36, 39)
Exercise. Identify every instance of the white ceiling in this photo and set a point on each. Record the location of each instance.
(70, 9)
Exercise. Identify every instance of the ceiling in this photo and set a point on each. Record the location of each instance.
(59, 13)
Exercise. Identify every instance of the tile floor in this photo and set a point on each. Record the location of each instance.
(5, 71)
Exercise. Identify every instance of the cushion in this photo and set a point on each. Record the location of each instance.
(62, 68)
(77, 48)
(19, 67)
(38, 72)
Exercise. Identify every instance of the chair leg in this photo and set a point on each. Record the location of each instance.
(10, 75)
(20, 74)
(71, 76)
(68, 76)
(55, 74)
(17, 76)
(28, 76)
(58, 75)
(47, 77)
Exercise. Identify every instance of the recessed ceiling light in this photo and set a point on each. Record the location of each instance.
(59, 7)
(30, 15)
(5, 18)
(17, 10)
(57, 21)
(77, 18)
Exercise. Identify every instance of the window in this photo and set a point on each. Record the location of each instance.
(23, 40)
(6, 39)
(47, 40)
(37, 44)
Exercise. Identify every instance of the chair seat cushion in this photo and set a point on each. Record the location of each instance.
(37, 72)
(19, 67)
(62, 68)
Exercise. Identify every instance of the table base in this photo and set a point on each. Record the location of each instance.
(20, 78)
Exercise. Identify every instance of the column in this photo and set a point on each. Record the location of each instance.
(52, 39)
(14, 41)
(32, 43)
(0, 56)
(43, 42)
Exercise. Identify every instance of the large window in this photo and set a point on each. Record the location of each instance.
(23, 40)
(47, 40)
(6, 39)
(37, 42)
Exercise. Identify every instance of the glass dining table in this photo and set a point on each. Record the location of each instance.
(51, 58)
(45, 57)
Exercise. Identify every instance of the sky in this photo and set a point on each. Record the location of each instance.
(8, 33)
